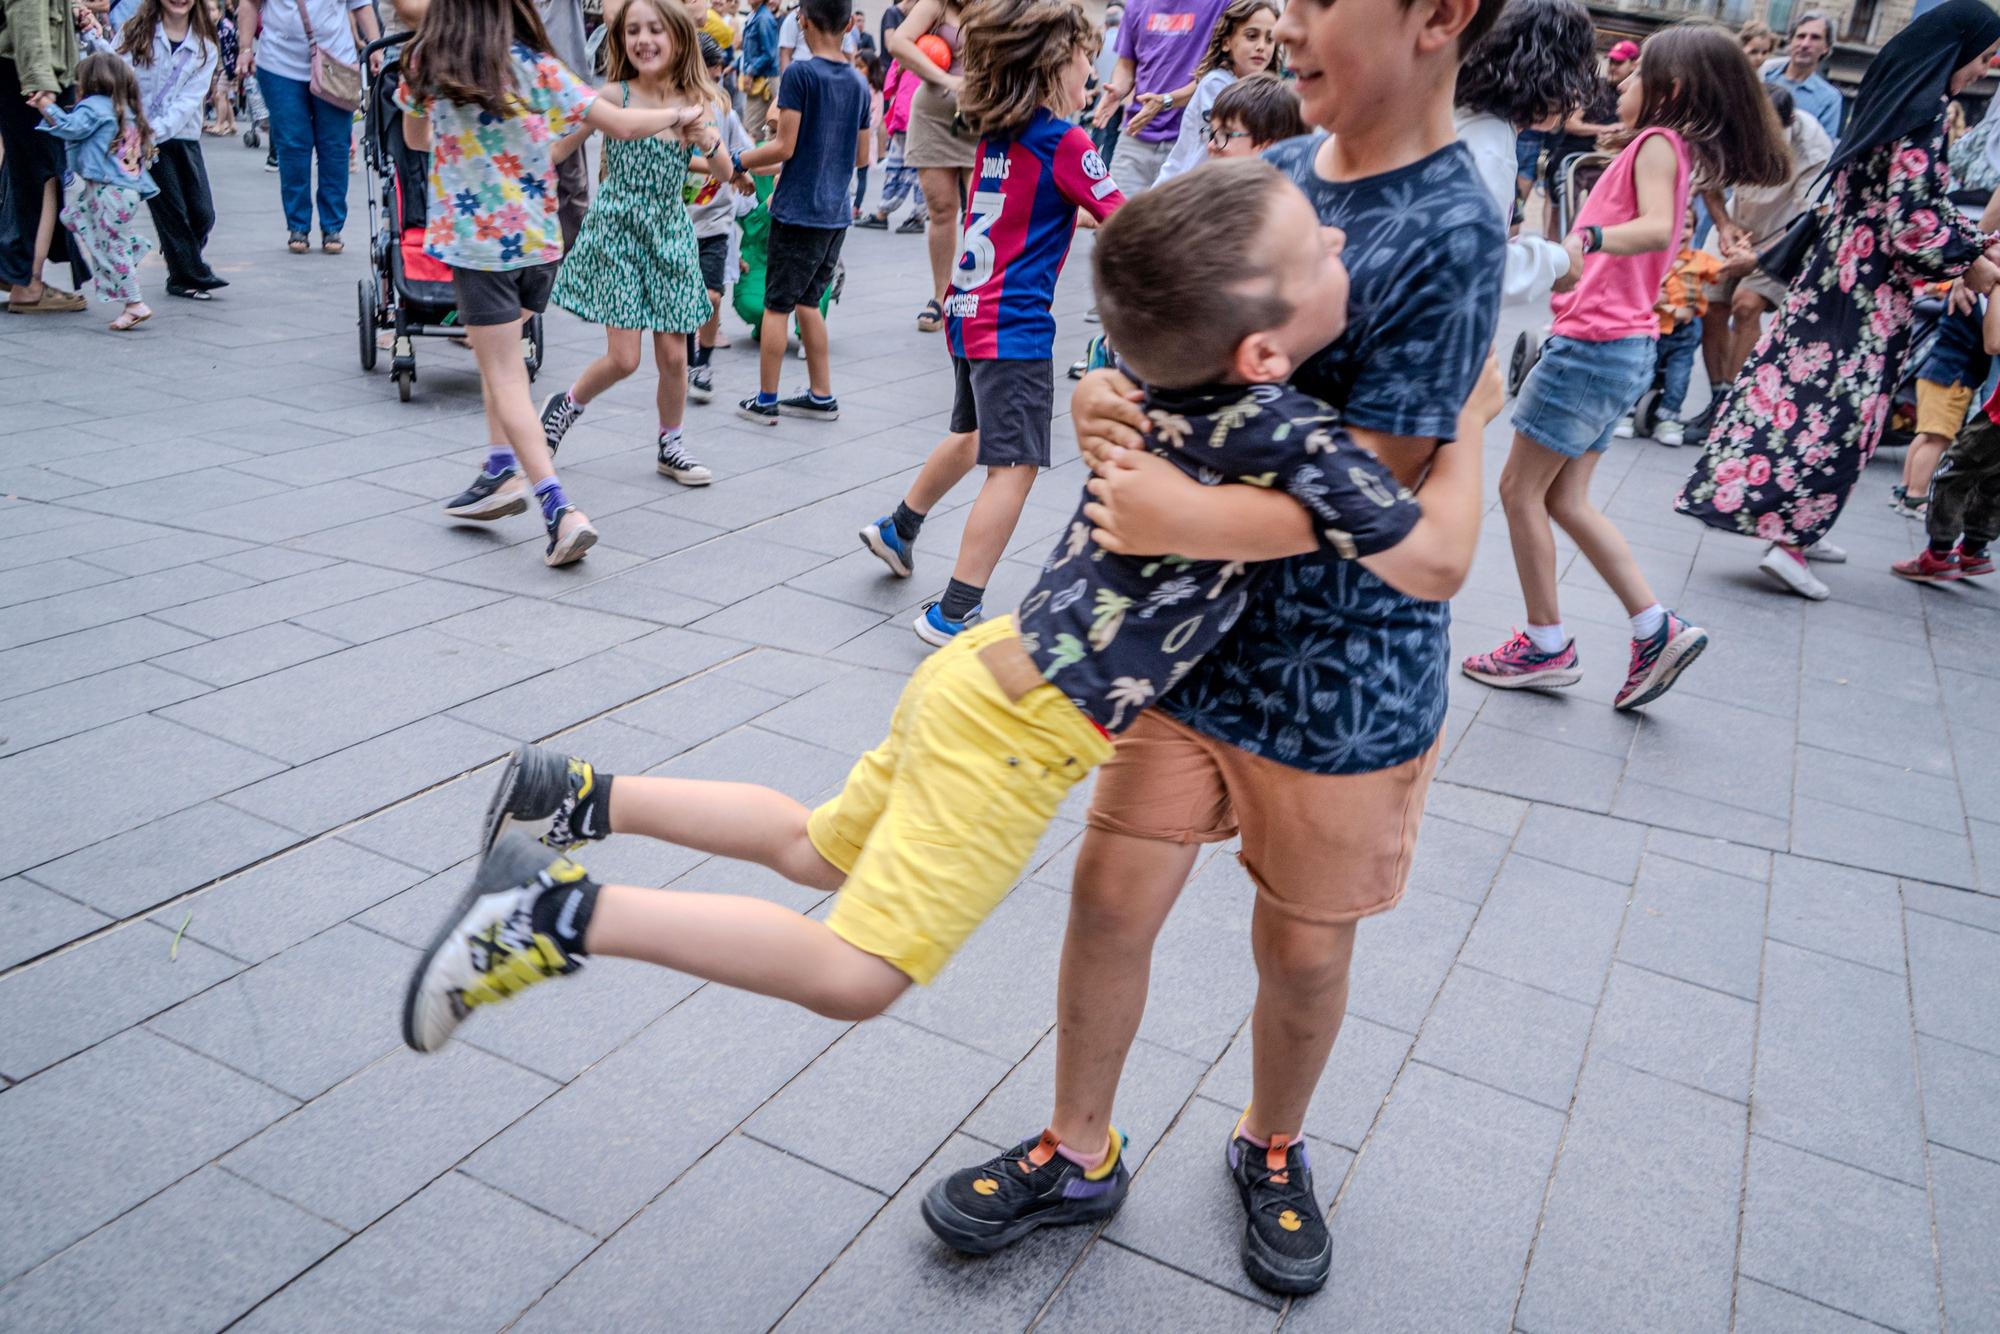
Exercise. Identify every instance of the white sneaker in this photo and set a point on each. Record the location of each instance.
(1826, 553)
(1669, 432)
(1792, 575)
(1624, 430)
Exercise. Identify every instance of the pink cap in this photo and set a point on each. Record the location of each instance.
(1626, 50)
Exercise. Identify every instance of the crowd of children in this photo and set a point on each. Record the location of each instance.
(1298, 294)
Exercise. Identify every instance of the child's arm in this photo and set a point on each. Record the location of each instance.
(618, 122)
(417, 134)
(1144, 505)
(1654, 174)
(774, 152)
(563, 148)
(76, 125)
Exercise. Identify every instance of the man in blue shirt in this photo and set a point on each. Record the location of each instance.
(760, 66)
(1812, 39)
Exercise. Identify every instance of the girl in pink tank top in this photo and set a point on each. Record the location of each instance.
(1693, 102)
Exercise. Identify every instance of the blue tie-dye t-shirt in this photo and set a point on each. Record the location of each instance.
(1330, 669)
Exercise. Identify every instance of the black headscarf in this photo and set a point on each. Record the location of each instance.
(1903, 92)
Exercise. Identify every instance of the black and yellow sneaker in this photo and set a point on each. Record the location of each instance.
(1285, 1243)
(979, 1210)
(556, 799)
(504, 936)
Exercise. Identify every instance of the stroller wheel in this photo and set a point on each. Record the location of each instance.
(1527, 351)
(1646, 412)
(405, 383)
(364, 292)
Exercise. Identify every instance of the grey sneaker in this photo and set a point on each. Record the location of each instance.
(538, 795)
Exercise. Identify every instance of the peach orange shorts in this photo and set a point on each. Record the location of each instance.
(1325, 848)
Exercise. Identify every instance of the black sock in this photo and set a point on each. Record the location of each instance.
(1972, 550)
(564, 912)
(959, 599)
(593, 812)
(908, 522)
(1942, 546)
(701, 355)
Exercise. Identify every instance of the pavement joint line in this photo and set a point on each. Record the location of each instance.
(1923, 1120)
(1813, 1301)
(1838, 958)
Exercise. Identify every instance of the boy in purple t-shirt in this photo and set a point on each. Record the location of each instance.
(1159, 44)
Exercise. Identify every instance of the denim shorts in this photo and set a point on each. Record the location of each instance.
(1577, 392)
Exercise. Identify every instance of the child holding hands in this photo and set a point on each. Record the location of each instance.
(486, 99)
(107, 144)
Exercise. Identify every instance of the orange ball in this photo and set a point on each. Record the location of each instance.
(937, 48)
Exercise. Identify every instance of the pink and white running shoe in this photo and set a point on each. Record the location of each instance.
(1519, 665)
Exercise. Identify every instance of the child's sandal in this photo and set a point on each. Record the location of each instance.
(130, 320)
(932, 319)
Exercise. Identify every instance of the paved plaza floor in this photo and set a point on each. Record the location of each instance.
(1689, 1021)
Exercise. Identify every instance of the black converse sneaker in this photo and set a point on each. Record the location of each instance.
(1285, 1243)
(558, 415)
(490, 496)
(812, 409)
(751, 410)
(548, 796)
(489, 948)
(701, 384)
(683, 467)
(566, 548)
(978, 1210)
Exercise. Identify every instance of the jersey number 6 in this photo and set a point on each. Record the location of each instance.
(975, 262)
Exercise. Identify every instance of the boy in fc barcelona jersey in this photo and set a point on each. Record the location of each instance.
(1025, 73)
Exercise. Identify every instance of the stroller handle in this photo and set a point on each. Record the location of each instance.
(384, 43)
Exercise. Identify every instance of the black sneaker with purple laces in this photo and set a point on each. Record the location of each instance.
(979, 1210)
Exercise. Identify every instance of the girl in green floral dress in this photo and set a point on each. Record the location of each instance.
(635, 268)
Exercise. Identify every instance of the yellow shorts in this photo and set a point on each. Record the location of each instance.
(1941, 408)
(935, 824)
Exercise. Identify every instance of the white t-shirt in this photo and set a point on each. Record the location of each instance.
(1191, 143)
(790, 39)
(282, 47)
(1534, 263)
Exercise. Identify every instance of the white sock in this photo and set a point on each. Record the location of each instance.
(1547, 638)
(670, 435)
(1647, 623)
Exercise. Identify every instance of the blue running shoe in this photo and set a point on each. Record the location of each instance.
(935, 630)
(889, 547)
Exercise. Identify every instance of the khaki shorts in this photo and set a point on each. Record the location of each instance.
(1763, 284)
(1324, 848)
(1941, 408)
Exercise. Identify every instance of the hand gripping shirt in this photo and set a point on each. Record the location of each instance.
(493, 188)
(1114, 633)
(1019, 221)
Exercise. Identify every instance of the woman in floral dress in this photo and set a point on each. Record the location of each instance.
(1805, 414)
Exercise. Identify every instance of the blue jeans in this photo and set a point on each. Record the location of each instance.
(1677, 351)
(303, 125)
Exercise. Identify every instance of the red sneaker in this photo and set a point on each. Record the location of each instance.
(1927, 567)
(1972, 564)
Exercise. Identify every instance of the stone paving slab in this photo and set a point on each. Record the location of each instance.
(1685, 1022)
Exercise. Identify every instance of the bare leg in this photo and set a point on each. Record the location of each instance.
(1602, 544)
(1718, 340)
(945, 468)
(510, 412)
(670, 357)
(706, 335)
(620, 359)
(1121, 893)
(1524, 490)
(744, 942)
(772, 335)
(1746, 318)
(45, 234)
(944, 196)
(812, 336)
(1920, 462)
(1302, 971)
(736, 820)
(991, 524)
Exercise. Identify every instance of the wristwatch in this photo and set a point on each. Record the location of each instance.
(735, 161)
(1593, 240)
(1167, 102)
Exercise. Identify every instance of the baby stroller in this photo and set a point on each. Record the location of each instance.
(406, 290)
(1573, 177)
